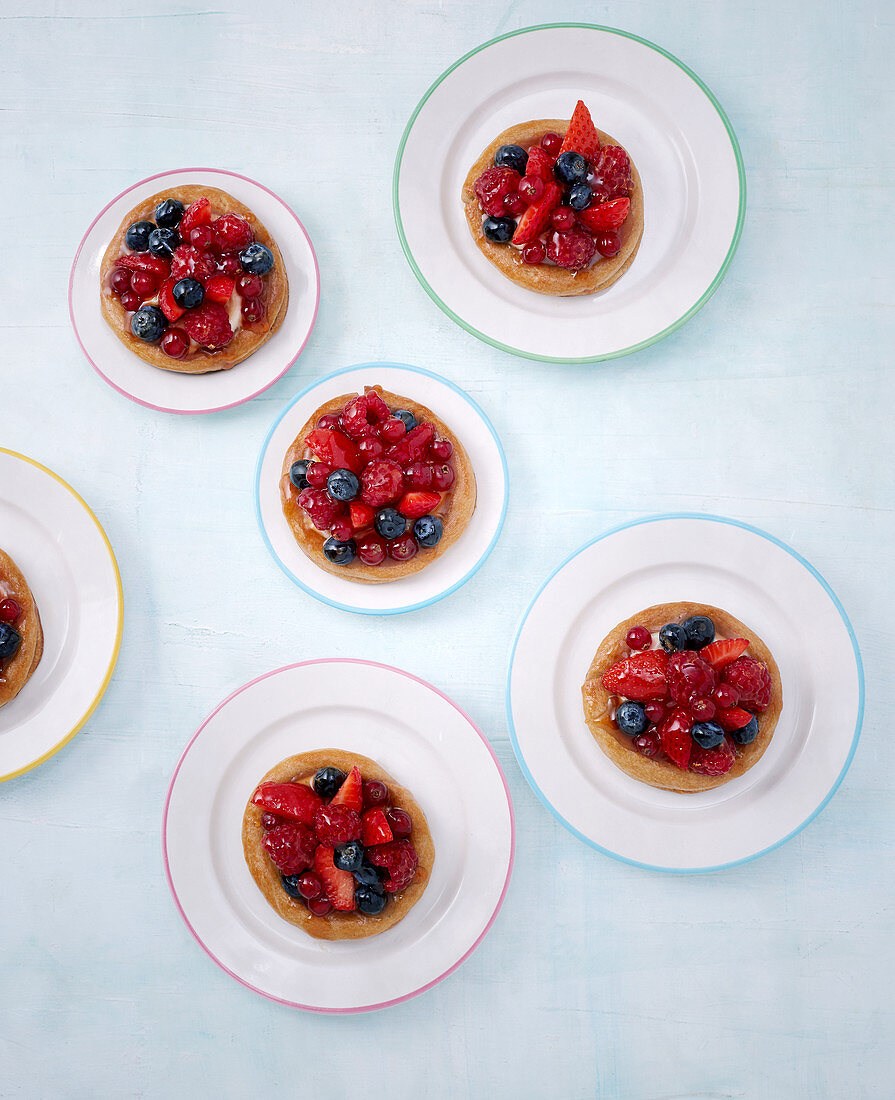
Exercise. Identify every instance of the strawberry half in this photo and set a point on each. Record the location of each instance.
(361, 515)
(540, 164)
(413, 447)
(535, 217)
(723, 652)
(732, 718)
(376, 827)
(417, 503)
(605, 215)
(581, 136)
(197, 213)
(640, 677)
(145, 261)
(219, 288)
(335, 449)
(337, 885)
(351, 793)
(166, 301)
(674, 734)
(293, 800)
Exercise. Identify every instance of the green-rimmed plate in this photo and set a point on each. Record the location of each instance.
(678, 136)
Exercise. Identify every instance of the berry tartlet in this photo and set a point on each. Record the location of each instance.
(376, 487)
(21, 635)
(683, 696)
(336, 846)
(192, 281)
(556, 206)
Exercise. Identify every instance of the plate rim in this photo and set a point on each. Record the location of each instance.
(119, 629)
(726, 520)
(439, 595)
(656, 337)
(214, 408)
(427, 985)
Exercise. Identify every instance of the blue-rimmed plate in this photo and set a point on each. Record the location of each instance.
(762, 582)
(678, 136)
(448, 572)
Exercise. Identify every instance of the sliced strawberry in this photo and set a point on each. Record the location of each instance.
(716, 761)
(145, 261)
(674, 734)
(540, 164)
(166, 301)
(335, 449)
(197, 213)
(535, 217)
(721, 653)
(413, 447)
(640, 677)
(219, 288)
(376, 827)
(337, 885)
(581, 136)
(732, 718)
(351, 793)
(361, 515)
(416, 503)
(605, 215)
(293, 800)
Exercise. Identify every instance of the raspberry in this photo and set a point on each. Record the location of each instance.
(573, 249)
(492, 186)
(674, 733)
(381, 482)
(191, 261)
(717, 761)
(291, 846)
(414, 446)
(232, 232)
(688, 675)
(208, 325)
(360, 416)
(319, 505)
(399, 859)
(751, 679)
(336, 825)
(612, 169)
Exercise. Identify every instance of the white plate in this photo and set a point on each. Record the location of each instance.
(428, 745)
(169, 391)
(447, 573)
(761, 581)
(678, 137)
(65, 556)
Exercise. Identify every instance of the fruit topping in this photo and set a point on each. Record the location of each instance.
(563, 218)
(700, 630)
(551, 143)
(376, 829)
(707, 734)
(511, 156)
(722, 652)
(318, 474)
(320, 906)
(672, 637)
(250, 286)
(375, 793)
(10, 610)
(188, 293)
(252, 310)
(371, 549)
(640, 676)
(612, 171)
(309, 885)
(256, 258)
(638, 637)
(745, 735)
(416, 503)
(499, 230)
(320, 507)
(631, 718)
(10, 640)
(292, 800)
(689, 675)
(219, 288)
(398, 859)
(609, 243)
(647, 744)
(232, 232)
(715, 761)
(674, 736)
(137, 236)
(148, 323)
(403, 548)
(291, 846)
(389, 523)
(336, 824)
(369, 900)
(349, 857)
(335, 449)
(339, 551)
(400, 821)
(351, 792)
(162, 242)
(493, 186)
(733, 718)
(570, 168)
(381, 482)
(573, 250)
(605, 215)
(338, 885)
(534, 253)
(703, 710)
(327, 781)
(363, 414)
(190, 262)
(144, 261)
(168, 213)
(751, 679)
(536, 216)
(413, 446)
(197, 213)
(343, 485)
(209, 325)
(581, 136)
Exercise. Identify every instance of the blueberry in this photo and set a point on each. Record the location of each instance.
(162, 242)
(389, 523)
(168, 213)
(369, 900)
(570, 168)
(367, 876)
(672, 636)
(256, 259)
(747, 734)
(340, 553)
(148, 323)
(290, 885)
(708, 735)
(10, 640)
(580, 197)
(342, 485)
(700, 631)
(298, 473)
(349, 857)
(188, 293)
(631, 719)
(428, 531)
(408, 418)
(499, 230)
(511, 156)
(137, 236)
(327, 781)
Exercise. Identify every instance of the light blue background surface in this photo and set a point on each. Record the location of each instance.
(773, 404)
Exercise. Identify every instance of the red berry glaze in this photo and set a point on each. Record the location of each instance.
(375, 793)
(725, 695)
(269, 821)
(647, 744)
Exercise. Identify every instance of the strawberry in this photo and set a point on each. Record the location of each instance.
(721, 653)
(381, 482)
(640, 677)
(605, 215)
(535, 217)
(337, 885)
(219, 288)
(209, 325)
(413, 447)
(581, 136)
(716, 761)
(322, 509)
(166, 301)
(415, 504)
(197, 213)
(376, 827)
(293, 800)
(361, 515)
(335, 449)
(732, 718)
(351, 793)
(674, 733)
(145, 261)
(540, 164)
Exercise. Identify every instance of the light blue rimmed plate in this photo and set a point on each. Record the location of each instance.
(678, 136)
(447, 573)
(765, 584)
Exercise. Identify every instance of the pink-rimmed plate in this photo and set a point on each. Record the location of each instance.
(170, 391)
(418, 735)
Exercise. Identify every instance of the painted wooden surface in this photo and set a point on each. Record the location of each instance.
(772, 405)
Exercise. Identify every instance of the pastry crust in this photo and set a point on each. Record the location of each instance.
(455, 510)
(662, 773)
(247, 339)
(544, 278)
(336, 925)
(16, 671)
